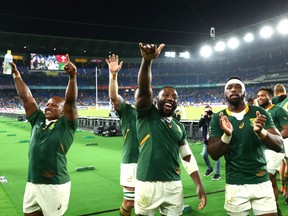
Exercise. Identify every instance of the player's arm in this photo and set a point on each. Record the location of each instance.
(271, 137)
(218, 146)
(114, 68)
(283, 119)
(190, 165)
(71, 94)
(144, 94)
(284, 131)
(24, 92)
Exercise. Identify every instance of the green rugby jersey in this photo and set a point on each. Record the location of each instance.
(275, 100)
(245, 159)
(130, 150)
(48, 148)
(279, 116)
(159, 139)
(284, 104)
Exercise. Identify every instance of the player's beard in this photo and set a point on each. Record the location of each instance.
(263, 105)
(237, 102)
(160, 106)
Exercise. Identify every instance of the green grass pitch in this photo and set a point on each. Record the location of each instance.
(190, 113)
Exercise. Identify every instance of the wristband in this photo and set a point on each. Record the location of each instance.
(225, 138)
(263, 133)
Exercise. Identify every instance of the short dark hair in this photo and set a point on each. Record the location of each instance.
(167, 87)
(269, 90)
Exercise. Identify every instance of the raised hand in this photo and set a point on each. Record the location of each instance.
(15, 71)
(70, 68)
(150, 51)
(226, 125)
(113, 64)
(259, 122)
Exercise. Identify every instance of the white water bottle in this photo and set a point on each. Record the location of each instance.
(7, 69)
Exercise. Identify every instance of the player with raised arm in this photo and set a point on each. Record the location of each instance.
(130, 150)
(162, 140)
(48, 184)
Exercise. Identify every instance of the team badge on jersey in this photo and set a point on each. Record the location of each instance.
(241, 125)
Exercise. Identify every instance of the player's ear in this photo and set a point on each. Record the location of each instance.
(155, 100)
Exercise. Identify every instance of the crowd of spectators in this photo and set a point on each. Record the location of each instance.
(196, 82)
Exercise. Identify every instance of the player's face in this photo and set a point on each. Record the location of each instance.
(234, 94)
(167, 101)
(54, 108)
(263, 98)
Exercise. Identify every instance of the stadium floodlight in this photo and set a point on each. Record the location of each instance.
(206, 51)
(233, 43)
(249, 37)
(282, 27)
(170, 54)
(266, 32)
(220, 46)
(185, 55)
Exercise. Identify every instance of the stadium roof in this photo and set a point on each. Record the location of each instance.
(101, 25)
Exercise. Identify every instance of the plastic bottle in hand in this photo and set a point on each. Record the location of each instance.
(7, 69)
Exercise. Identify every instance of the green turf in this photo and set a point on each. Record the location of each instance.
(94, 191)
(7, 207)
(191, 113)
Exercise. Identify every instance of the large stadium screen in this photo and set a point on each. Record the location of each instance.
(42, 62)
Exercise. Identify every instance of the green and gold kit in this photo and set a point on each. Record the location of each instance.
(245, 159)
(48, 147)
(159, 139)
(130, 150)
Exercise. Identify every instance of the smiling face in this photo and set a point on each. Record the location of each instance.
(263, 99)
(234, 94)
(54, 108)
(167, 101)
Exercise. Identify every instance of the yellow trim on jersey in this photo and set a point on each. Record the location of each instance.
(270, 107)
(127, 131)
(144, 139)
(230, 113)
(62, 147)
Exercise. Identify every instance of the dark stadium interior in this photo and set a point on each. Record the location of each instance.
(94, 30)
(97, 26)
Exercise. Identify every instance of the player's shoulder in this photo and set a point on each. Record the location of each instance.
(253, 108)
